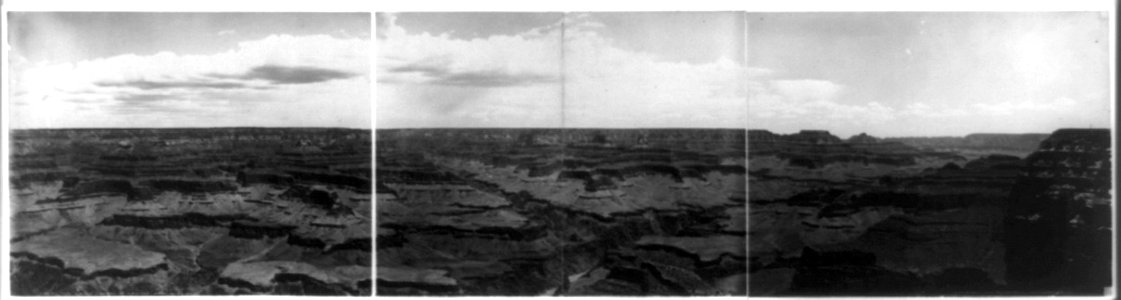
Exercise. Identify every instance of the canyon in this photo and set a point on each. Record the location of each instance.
(561, 212)
(987, 214)
(191, 211)
(572, 212)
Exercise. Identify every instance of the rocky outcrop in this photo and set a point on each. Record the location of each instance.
(296, 278)
(257, 230)
(561, 212)
(357, 183)
(316, 197)
(187, 220)
(190, 187)
(730, 140)
(863, 138)
(77, 253)
(74, 189)
(251, 177)
(872, 216)
(1059, 218)
(815, 149)
(201, 199)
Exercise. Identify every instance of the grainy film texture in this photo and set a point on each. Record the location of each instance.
(929, 154)
(561, 154)
(190, 154)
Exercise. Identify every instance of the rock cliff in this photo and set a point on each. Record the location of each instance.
(561, 212)
(1058, 224)
(870, 216)
(191, 211)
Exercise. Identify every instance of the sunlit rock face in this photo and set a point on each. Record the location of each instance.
(870, 216)
(191, 211)
(1059, 219)
(561, 212)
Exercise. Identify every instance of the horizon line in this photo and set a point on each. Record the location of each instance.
(560, 128)
(210, 127)
(939, 135)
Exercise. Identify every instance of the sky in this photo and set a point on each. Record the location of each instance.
(602, 70)
(133, 70)
(928, 74)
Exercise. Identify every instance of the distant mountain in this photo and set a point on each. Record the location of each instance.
(1020, 143)
(816, 149)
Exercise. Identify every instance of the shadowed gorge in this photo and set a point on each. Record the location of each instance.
(867, 216)
(206, 211)
(561, 212)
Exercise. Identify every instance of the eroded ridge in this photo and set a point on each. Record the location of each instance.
(191, 211)
(561, 212)
(929, 216)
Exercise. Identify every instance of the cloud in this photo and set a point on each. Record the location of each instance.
(273, 81)
(529, 58)
(384, 22)
(154, 85)
(227, 32)
(271, 74)
(433, 79)
(414, 105)
(611, 87)
(83, 100)
(289, 75)
(753, 72)
(146, 98)
(1009, 108)
(792, 104)
(924, 110)
(788, 105)
(806, 90)
(432, 66)
(437, 70)
(493, 78)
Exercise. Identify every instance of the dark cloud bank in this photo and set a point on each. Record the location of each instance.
(440, 72)
(272, 74)
(154, 92)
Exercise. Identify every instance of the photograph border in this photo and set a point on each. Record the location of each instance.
(557, 6)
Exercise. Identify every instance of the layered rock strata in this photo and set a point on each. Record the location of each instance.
(191, 211)
(870, 216)
(561, 212)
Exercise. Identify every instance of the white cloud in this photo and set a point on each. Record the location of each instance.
(405, 57)
(793, 104)
(923, 110)
(1010, 108)
(231, 88)
(416, 105)
(753, 72)
(806, 90)
(517, 80)
(609, 86)
(428, 80)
